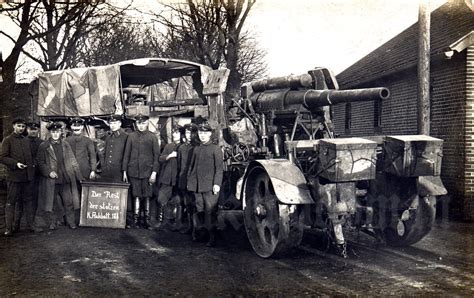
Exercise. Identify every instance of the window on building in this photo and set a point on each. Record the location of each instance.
(348, 118)
(377, 113)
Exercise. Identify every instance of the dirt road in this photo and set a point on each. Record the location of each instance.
(91, 261)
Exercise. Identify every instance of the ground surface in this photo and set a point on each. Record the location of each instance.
(92, 261)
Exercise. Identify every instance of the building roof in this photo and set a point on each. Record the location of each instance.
(450, 24)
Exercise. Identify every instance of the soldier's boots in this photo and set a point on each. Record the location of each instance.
(189, 227)
(9, 217)
(136, 213)
(212, 238)
(147, 215)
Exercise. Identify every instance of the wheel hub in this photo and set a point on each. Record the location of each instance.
(260, 211)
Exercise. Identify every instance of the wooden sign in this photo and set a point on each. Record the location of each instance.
(104, 204)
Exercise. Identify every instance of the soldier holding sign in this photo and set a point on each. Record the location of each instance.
(140, 166)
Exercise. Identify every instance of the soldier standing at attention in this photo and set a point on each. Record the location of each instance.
(15, 154)
(168, 173)
(185, 152)
(140, 166)
(32, 130)
(114, 150)
(59, 175)
(204, 179)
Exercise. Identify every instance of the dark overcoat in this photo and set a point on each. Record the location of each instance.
(111, 162)
(84, 151)
(185, 152)
(206, 168)
(15, 149)
(141, 155)
(47, 162)
(169, 168)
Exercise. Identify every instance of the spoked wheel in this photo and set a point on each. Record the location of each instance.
(272, 228)
(412, 223)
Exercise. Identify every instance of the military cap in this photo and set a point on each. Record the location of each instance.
(18, 120)
(77, 121)
(32, 125)
(189, 126)
(114, 118)
(204, 127)
(54, 126)
(141, 118)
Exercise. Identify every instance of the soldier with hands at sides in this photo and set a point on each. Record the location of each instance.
(16, 155)
(59, 175)
(111, 162)
(140, 167)
(204, 179)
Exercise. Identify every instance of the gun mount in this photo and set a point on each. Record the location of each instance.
(295, 172)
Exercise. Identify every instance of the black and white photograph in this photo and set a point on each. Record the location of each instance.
(249, 148)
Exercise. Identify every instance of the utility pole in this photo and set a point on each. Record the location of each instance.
(424, 101)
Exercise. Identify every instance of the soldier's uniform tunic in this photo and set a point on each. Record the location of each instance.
(16, 149)
(111, 162)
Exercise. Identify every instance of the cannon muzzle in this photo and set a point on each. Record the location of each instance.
(313, 99)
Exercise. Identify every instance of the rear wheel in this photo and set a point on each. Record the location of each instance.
(273, 228)
(412, 223)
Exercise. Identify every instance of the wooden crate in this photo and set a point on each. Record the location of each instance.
(347, 159)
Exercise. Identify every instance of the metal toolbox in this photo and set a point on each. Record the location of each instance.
(412, 156)
(347, 159)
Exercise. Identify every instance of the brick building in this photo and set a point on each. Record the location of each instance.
(394, 65)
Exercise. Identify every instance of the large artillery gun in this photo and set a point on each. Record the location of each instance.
(297, 174)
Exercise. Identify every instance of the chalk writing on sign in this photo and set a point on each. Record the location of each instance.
(104, 204)
(98, 209)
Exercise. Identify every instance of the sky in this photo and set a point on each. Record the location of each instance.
(299, 35)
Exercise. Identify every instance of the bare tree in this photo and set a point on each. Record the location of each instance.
(120, 40)
(210, 32)
(251, 63)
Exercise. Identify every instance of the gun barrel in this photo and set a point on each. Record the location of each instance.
(313, 99)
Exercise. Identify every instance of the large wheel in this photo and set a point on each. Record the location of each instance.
(272, 228)
(412, 223)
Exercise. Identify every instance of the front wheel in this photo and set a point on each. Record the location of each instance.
(273, 228)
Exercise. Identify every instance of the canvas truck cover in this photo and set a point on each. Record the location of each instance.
(91, 91)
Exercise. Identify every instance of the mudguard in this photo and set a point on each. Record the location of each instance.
(430, 185)
(288, 181)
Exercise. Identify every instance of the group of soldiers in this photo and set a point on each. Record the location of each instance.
(44, 177)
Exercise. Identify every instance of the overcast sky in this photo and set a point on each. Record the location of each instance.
(299, 35)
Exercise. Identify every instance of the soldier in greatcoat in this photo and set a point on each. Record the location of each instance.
(169, 174)
(83, 149)
(15, 154)
(32, 130)
(185, 151)
(204, 179)
(59, 175)
(140, 166)
(111, 162)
